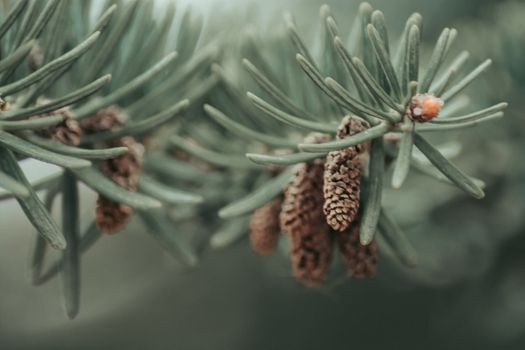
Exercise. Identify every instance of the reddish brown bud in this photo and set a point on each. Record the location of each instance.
(125, 169)
(424, 107)
(107, 119)
(111, 216)
(67, 131)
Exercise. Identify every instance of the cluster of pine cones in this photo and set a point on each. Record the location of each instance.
(124, 170)
(319, 206)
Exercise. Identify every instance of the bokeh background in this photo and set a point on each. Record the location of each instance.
(468, 293)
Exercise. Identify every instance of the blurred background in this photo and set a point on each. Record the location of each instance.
(469, 291)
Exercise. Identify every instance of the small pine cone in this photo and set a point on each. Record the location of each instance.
(264, 227)
(342, 178)
(311, 252)
(110, 118)
(125, 169)
(302, 217)
(303, 198)
(111, 216)
(360, 260)
(67, 131)
(351, 125)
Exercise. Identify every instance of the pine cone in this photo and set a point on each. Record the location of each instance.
(302, 217)
(360, 260)
(125, 169)
(303, 199)
(264, 227)
(311, 253)
(110, 118)
(342, 178)
(67, 131)
(111, 216)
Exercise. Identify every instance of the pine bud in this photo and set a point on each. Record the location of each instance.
(111, 216)
(264, 227)
(342, 178)
(302, 217)
(125, 169)
(107, 119)
(424, 107)
(68, 131)
(360, 260)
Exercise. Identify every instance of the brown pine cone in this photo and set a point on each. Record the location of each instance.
(302, 217)
(311, 253)
(67, 131)
(303, 197)
(342, 178)
(264, 227)
(125, 169)
(111, 216)
(360, 260)
(110, 118)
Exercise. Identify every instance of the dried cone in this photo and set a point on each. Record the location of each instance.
(311, 253)
(342, 178)
(264, 227)
(111, 216)
(303, 198)
(67, 131)
(107, 119)
(360, 260)
(302, 217)
(124, 170)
